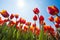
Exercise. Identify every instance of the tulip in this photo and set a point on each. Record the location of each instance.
(57, 20)
(11, 23)
(57, 25)
(34, 25)
(53, 10)
(41, 19)
(32, 29)
(16, 16)
(35, 18)
(36, 11)
(28, 23)
(37, 31)
(22, 21)
(6, 20)
(12, 16)
(1, 21)
(51, 19)
(4, 13)
(25, 28)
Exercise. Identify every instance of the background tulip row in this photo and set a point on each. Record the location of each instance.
(20, 29)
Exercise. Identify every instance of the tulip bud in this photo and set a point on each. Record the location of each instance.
(22, 21)
(51, 18)
(36, 11)
(57, 20)
(57, 25)
(35, 18)
(53, 10)
(4, 13)
(16, 15)
(12, 16)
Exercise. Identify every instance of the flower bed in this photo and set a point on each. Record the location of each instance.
(23, 30)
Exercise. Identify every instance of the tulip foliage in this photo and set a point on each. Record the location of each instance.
(20, 29)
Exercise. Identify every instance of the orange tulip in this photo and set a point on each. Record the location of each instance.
(36, 11)
(37, 31)
(53, 10)
(57, 20)
(32, 29)
(4, 13)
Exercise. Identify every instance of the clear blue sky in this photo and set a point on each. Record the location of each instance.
(25, 11)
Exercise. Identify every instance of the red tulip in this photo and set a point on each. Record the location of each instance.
(1, 21)
(41, 18)
(25, 28)
(34, 25)
(35, 18)
(36, 11)
(11, 23)
(4, 13)
(12, 16)
(6, 20)
(28, 23)
(51, 18)
(16, 15)
(53, 10)
(22, 21)
(57, 25)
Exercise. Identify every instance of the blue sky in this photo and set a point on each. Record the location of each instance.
(25, 10)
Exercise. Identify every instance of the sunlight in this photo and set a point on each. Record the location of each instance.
(20, 3)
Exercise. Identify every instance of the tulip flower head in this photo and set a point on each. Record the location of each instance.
(51, 19)
(16, 16)
(57, 20)
(35, 18)
(53, 10)
(36, 11)
(4, 13)
(12, 16)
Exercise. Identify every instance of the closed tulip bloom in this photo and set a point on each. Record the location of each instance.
(22, 21)
(16, 15)
(25, 28)
(36, 11)
(1, 21)
(35, 18)
(57, 20)
(51, 19)
(57, 25)
(53, 10)
(41, 18)
(4, 13)
(28, 23)
(12, 16)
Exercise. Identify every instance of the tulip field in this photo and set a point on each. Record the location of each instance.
(23, 30)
